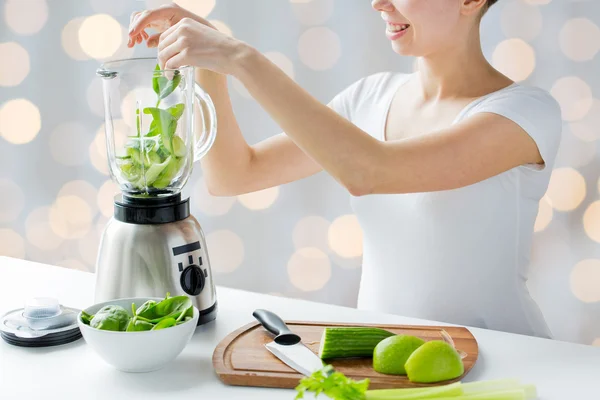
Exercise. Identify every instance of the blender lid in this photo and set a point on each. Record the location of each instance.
(40, 325)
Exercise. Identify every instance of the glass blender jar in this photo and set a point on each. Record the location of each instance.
(153, 245)
(155, 156)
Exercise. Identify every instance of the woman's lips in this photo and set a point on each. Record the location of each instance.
(396, 31)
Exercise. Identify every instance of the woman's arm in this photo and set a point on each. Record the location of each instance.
(233, 167)
(479, 148)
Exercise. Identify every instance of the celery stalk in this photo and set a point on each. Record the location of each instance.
(451, 390)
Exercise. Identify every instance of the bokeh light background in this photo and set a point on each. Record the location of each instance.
(299, 240)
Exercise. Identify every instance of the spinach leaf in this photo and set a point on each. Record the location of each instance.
(110, 318)
(177, 110)
(172, 307)
(147, 310)
(137, 325)
(162, 86)
(165, 323)
(86, 318)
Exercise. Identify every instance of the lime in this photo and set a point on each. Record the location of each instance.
(435, 361)
(391, 353)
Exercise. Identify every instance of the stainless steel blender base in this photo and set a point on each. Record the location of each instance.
(144, 260)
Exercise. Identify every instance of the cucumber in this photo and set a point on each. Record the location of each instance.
(349, 342)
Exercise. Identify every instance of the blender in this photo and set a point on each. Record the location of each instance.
(153, 245)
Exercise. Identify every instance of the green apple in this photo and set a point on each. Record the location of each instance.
(435, 361)
(391, 353)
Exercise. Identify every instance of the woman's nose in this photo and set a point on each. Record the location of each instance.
(382, 5)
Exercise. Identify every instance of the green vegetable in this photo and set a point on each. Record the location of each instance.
(137, 325)
(165, 323)
(173, 307)
(152, 160)
(162, 86)
(391, 353)
(345, 342)
(332, 384)
(110, 318)
(336, 385)
(146, 310)
(86, 318)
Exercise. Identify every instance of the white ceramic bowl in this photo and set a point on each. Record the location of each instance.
(137, 351)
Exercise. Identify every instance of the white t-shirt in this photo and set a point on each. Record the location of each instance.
(459, 256)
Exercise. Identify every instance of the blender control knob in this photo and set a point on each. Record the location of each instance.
(192, 280)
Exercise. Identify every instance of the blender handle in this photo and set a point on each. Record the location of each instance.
(205, 142)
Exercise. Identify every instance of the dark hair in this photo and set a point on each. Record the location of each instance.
(491, 3)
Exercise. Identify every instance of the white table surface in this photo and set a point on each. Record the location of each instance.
(560, 370)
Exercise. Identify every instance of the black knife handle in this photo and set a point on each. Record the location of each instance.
(271, 322)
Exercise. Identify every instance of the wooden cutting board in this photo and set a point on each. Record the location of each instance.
(241, 358)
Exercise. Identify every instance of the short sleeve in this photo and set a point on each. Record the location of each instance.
(535, 111)
(344, 102)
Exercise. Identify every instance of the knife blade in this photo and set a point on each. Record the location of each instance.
(288, 346)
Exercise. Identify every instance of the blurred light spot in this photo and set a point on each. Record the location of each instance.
(221, 27)
(71, 263)
(26, 17)
(319, 48)
(82, 189)
(345, 236)
(588, 128)
(112, 7)
(38, 230)
(596, 342)
(544, 216)
(143, 96)
(150, 4)
(208, 204)
(68, 142)
(100, 36)
(521, 20)
(284, 63)
(70, 39)
(259, 200)
(95, 97)
(14, 64)
(106, 196)
(201, 8)
(591, 221)
(88, 247)
(12, 200)
(11, 244)
(225, 250)
(514, 58)
(580, 39)
(98, 158)
(120, 133)
(574, 152)
(574, 97)
(313, 12)
(70, 217)
(585, 281)
(309, 269)
(566, 189)
(20, 121)
(311, 232)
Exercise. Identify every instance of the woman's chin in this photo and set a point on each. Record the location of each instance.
(402, 50)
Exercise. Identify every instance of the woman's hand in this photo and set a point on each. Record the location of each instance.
(190, 42)
(160, 19)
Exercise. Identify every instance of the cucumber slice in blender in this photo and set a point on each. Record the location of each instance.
(154, 171)
(169, 173)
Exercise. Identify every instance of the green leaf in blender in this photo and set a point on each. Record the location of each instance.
(177, 110)
(163, 86)
(154, 171)
(169, 173)
(179, 148)
(110, 318)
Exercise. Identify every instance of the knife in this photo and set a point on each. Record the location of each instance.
(288, 346)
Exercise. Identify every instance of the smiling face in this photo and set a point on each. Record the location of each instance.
(422, 27)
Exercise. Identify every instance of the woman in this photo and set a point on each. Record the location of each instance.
(445, 166)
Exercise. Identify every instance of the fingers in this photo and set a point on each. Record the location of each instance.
(148, 17)
(153, 40)
(169, 52)
(178, 60)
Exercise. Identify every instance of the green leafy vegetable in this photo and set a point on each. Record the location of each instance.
(163, 86)
(110, 318)
(137, 325)
(165, 323)
(86, 318)
(332, 384)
